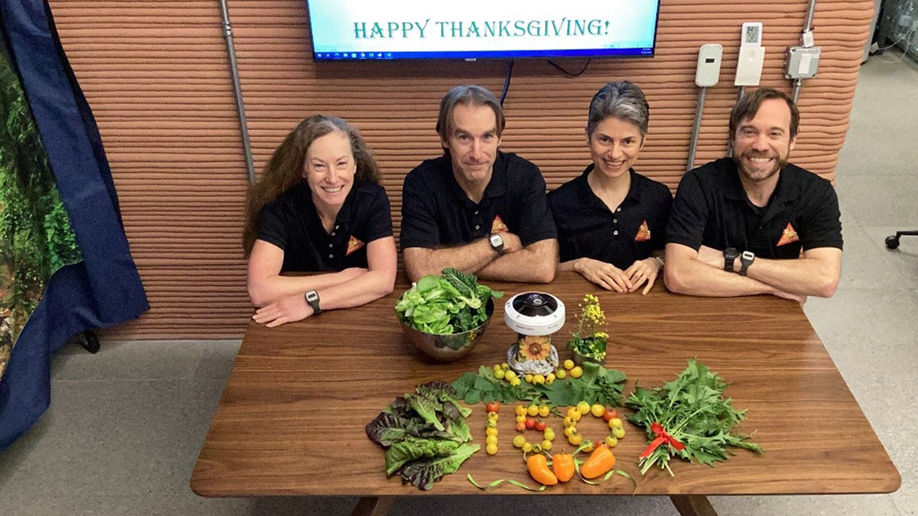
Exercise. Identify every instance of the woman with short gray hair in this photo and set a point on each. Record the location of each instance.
(611, 220)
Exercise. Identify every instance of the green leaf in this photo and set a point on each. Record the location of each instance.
(423, 473)
(410, 449)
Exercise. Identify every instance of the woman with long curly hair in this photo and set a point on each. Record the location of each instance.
(319, 207)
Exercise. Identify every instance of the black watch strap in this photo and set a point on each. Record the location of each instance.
(312, 297)
(730, 255)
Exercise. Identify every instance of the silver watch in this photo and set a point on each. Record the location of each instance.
(312, 297)
(497, 243)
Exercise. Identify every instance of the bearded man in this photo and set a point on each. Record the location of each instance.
(753, 223)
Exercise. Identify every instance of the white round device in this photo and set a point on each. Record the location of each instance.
(534, 313)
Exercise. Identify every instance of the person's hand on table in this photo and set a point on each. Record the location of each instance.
(641, 271)
(290, 309)
(603, 274)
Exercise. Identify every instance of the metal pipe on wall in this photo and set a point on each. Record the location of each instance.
(808, 26)
(237, 88)
(696, 129)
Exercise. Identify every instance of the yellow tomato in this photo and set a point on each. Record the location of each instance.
(528, 378)
(549, 434)
(520, 410)
(527, 447)
(515, 381)
(598, 410)
(499, 374)
(576, 372)
(583, 407)
(538, 379)
(505, 366)
(491, 439)
(561, 374)
(520, 419)
(618, 432)
(611, 441)
(544, 411)
(546, 445)
(492, 449)
(568, 364)
(533, 410)
(550, 377)
(615, 423)
(575, 439)
(509, 375)
(491, 431)
(520, 440)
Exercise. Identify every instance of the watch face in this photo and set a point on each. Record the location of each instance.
(496, 241)
(748, 255)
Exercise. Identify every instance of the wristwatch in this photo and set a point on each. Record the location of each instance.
(730, 255)
(746, 260)
(497, 243)
(312, 297)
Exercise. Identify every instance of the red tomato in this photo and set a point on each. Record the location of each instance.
(610, 415)
(493, 406)
(530, 422)
(540, 425)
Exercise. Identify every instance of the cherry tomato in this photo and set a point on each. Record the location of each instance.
(610, 415)
(540, 425)
(520, 427)
(529, 422)
(618, 432)
(493, 406)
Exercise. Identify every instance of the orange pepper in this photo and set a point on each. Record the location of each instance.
(563, 465)
(600, 462)
(538, 469)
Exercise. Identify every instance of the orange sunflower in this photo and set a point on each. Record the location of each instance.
(535, 347)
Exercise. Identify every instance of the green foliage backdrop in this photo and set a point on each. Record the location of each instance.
(36, 238)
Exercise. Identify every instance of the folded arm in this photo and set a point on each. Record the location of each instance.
(694, 273)
(370, 284)
(266, 285)
(468, 258)
(535, 263)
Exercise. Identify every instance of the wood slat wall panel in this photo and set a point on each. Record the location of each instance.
(157, 77)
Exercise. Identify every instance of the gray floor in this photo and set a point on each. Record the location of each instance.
(125, 426)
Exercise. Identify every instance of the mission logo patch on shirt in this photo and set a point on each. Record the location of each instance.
(353, 245)
(643, 233)
(498, 225)
(788, 236)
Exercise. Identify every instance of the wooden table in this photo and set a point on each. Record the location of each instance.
(291, 420)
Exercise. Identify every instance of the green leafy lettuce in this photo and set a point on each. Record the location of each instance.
(425, 434)
(447, 304)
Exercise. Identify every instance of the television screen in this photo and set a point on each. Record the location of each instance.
(472, 29)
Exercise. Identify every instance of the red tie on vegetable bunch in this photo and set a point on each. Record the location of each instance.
(662, 437)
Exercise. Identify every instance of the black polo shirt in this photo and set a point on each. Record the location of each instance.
(588, 228)
(292, 223)
(711, 208)
(436, 212)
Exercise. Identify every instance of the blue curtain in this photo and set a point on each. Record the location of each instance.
(102, 290)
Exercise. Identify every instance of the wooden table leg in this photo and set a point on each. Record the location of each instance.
(373, 506)
(693, 505)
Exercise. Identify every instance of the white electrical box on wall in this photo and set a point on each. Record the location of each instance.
(708, 71)
(749, 66)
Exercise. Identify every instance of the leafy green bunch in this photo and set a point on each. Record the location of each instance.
(693, 411)
(597, 385)
(425, 434)
(589, 341)
(445, 305)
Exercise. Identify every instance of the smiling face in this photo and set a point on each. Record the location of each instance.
(329, 169)
(614, 147)
(763, 143)
(472, 143)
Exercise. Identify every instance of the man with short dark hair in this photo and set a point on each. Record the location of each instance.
(475, 208)
(755, 224)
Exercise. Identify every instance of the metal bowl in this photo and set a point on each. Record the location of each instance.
(447, 348)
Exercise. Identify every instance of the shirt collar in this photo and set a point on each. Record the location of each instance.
(785, 191)
(497, 186)
(634, 191)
